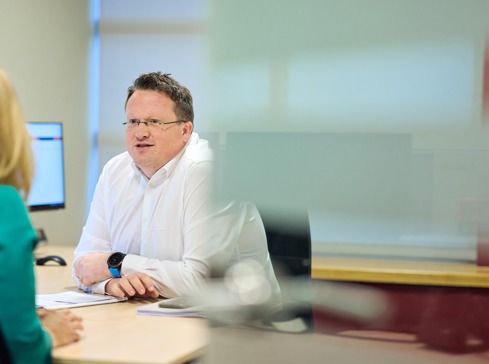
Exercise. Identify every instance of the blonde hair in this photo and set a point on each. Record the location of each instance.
(16, 156)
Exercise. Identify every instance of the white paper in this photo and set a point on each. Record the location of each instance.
(71, 299)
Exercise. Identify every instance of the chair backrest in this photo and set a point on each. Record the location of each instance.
(4, 352)
(289, 246)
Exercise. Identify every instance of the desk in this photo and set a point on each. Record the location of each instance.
(400, 272)
(114, 333)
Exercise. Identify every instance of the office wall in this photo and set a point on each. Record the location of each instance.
(45, 48)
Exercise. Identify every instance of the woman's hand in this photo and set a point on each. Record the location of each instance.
(62, 325)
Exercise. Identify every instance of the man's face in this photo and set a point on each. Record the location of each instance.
(152, 147)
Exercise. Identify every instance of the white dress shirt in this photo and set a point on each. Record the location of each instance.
(167, 225)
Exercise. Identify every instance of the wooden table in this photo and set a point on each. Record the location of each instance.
(114, 333)
(400, 272)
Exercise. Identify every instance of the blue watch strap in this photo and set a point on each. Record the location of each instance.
(115, 272)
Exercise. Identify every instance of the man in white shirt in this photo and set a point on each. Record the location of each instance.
(153, 229)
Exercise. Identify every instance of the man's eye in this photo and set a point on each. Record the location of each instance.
(133, 122)
(154, 122)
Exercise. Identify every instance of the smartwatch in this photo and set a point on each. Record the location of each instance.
(115, 263)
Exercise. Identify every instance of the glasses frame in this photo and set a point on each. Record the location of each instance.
(133, 123)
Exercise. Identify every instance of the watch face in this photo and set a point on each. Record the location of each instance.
(115, 259)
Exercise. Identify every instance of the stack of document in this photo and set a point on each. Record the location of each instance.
(71, 299)
(178, 306)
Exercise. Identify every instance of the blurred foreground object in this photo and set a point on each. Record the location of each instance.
(243, 296)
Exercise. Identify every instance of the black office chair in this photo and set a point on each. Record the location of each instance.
(289, 246)
(4, 352)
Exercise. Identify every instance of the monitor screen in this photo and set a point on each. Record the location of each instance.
(48, 188)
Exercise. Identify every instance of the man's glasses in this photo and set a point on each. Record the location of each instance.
(153, 123)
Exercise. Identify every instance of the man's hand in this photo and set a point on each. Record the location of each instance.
(133, 285)
(92, 268)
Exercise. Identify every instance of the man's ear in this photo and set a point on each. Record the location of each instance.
(187, 128)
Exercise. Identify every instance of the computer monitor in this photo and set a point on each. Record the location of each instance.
(48, 188)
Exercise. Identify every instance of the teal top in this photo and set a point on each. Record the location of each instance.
(26, 340)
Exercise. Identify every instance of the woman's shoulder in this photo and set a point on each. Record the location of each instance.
(11, 201)
(9, 194)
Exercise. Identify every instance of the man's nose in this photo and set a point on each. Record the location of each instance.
(142, 131)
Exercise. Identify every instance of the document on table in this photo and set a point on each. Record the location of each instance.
(156, 309)
(71, 299)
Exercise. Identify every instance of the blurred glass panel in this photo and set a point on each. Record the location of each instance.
(366, 114)
(405, 87)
